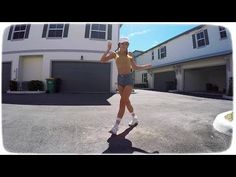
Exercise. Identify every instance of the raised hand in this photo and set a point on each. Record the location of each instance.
(109, 44)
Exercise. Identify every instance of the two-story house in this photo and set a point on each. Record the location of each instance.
(70, 52)
(198, 60)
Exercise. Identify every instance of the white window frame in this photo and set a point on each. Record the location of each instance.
(49, 28)
(203, 38)
(221, 30)
(91, 30)
(162, 52)
(19, 31)
(144, 76)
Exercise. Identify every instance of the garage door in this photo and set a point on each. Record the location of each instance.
(6, 76)
(164, 81)
(82, 76)
(196, 80)
(31, 68)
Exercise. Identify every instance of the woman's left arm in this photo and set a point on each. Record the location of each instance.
(138, 67)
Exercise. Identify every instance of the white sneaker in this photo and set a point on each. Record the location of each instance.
(114, 130)
(133, 122)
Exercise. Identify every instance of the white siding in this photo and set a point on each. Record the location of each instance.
(66, 49)
(140, 60)
(180, 49)
(74, 41)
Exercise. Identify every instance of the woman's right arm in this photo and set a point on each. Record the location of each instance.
(106, 57)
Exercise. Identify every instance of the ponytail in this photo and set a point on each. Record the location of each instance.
(118, 47)
(126, 52)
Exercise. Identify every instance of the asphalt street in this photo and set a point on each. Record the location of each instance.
(79, 124)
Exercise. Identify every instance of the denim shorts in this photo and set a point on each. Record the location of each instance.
(125, 79)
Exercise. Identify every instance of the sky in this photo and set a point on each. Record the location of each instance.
(145, 36)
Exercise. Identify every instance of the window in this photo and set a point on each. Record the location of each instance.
(223, 33)
(152, 55)
(98, 31)
(200, 39)
(162, 52)
(144, 78)
(17, 32)
(55, 31)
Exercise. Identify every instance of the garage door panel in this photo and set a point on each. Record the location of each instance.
(82, 76)
(161, 79)
(6, 76)
(197, 78)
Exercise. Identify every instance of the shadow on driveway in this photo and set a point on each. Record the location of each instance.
(57, 99)
(119, 144)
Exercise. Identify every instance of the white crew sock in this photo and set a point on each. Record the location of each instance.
(117, 121)
(133, 115)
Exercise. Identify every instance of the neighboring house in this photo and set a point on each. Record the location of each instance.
(197, 60)
(70, 52)
(137, 52)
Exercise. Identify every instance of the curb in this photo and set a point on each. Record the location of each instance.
(26, 92)
(223, 125)
(228, 97)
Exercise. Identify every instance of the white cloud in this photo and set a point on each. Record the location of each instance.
(138, 33)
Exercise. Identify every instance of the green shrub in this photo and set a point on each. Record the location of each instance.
(13, 85)
(229, 116)
(35, 85)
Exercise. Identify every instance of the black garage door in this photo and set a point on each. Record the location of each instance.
(164, 81)
(6, 76)
(82, 76)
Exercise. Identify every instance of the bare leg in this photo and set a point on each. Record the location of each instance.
(124, 100)
(120, 88)
(128, 105)
(124, 93)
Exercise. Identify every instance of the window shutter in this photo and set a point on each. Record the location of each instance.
(194, 41)
(27, 31)
(206, 36)
(165, 50)
(10, 32)
(66, 29)
(109, 33)
(158, 53)
(45, 28)
(87, 30)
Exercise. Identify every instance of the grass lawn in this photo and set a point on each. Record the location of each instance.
(229, 116)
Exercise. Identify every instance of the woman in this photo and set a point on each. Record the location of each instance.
(125, 63)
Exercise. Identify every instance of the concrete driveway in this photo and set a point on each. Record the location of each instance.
(168, 123)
